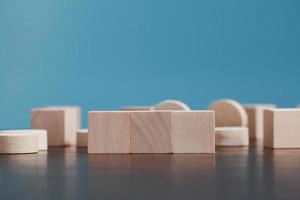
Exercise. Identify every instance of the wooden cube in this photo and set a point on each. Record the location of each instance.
(193, 131)
(282, 128)
(109, 132)
(82, 137)
(60, 122)
(151, 132)
(255, 114)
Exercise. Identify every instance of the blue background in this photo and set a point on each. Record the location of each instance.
(104, 54)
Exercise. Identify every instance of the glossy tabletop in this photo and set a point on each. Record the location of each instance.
(233, 173)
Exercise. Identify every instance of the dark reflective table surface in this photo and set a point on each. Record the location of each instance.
(233, 173)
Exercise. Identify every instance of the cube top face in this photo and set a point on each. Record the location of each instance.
(151, 132)
(282, 128)
(109, 111)
(57, 108)
(109, 132)
(195, 111)
(255, 106)
(135, 108)
(193, 132)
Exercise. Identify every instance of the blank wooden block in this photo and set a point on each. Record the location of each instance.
(18, 142)
(42, 139)
(109, 132)
(151, 132)
(193, 131)
(282, 128)
(232, 136)
(229, 113)
(135, 108)
(255, 114)
(170, 105)
(82, 138)
(61, 124)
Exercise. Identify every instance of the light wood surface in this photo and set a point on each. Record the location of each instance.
(42, 136)
(60, 122)
(82, 138)
(151, 132)
(282, 128)
(255, 114)
(18, 142)
(135, 108)
(229, 112)
(232, 136)
(171, 105)
(193, 132)
(109, 132)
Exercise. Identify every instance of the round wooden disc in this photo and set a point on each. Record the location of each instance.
(232, 136)
(229, 113)
(171, 105)
(82, 137)
(42, 136)
(18, 142)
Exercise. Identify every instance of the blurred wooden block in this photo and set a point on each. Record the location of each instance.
(61, 124)
(82, 138)
(193, 131)
(109, 132)
(151, 132)
(232, 136)
(229, 112)
(135, 108)
(18, 142)
(282, 128)
(170, 105)
(255, 114)
(42, 136)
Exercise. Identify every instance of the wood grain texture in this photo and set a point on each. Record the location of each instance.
(229, 112)
(151, 132)
(82, 138)
(255, 114)
(282, 128)
(232, 136)
(109, 132)
(42, 136)
(61, 123)
(171, 105)
(193, 132)
(18, 142)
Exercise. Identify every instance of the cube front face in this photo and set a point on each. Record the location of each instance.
(53, 122)
(282, 128)
(193, 132)
(109, 132)
(255, 114)
(251, 112)
(287, 129)
(72, 124)
(151, 132)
